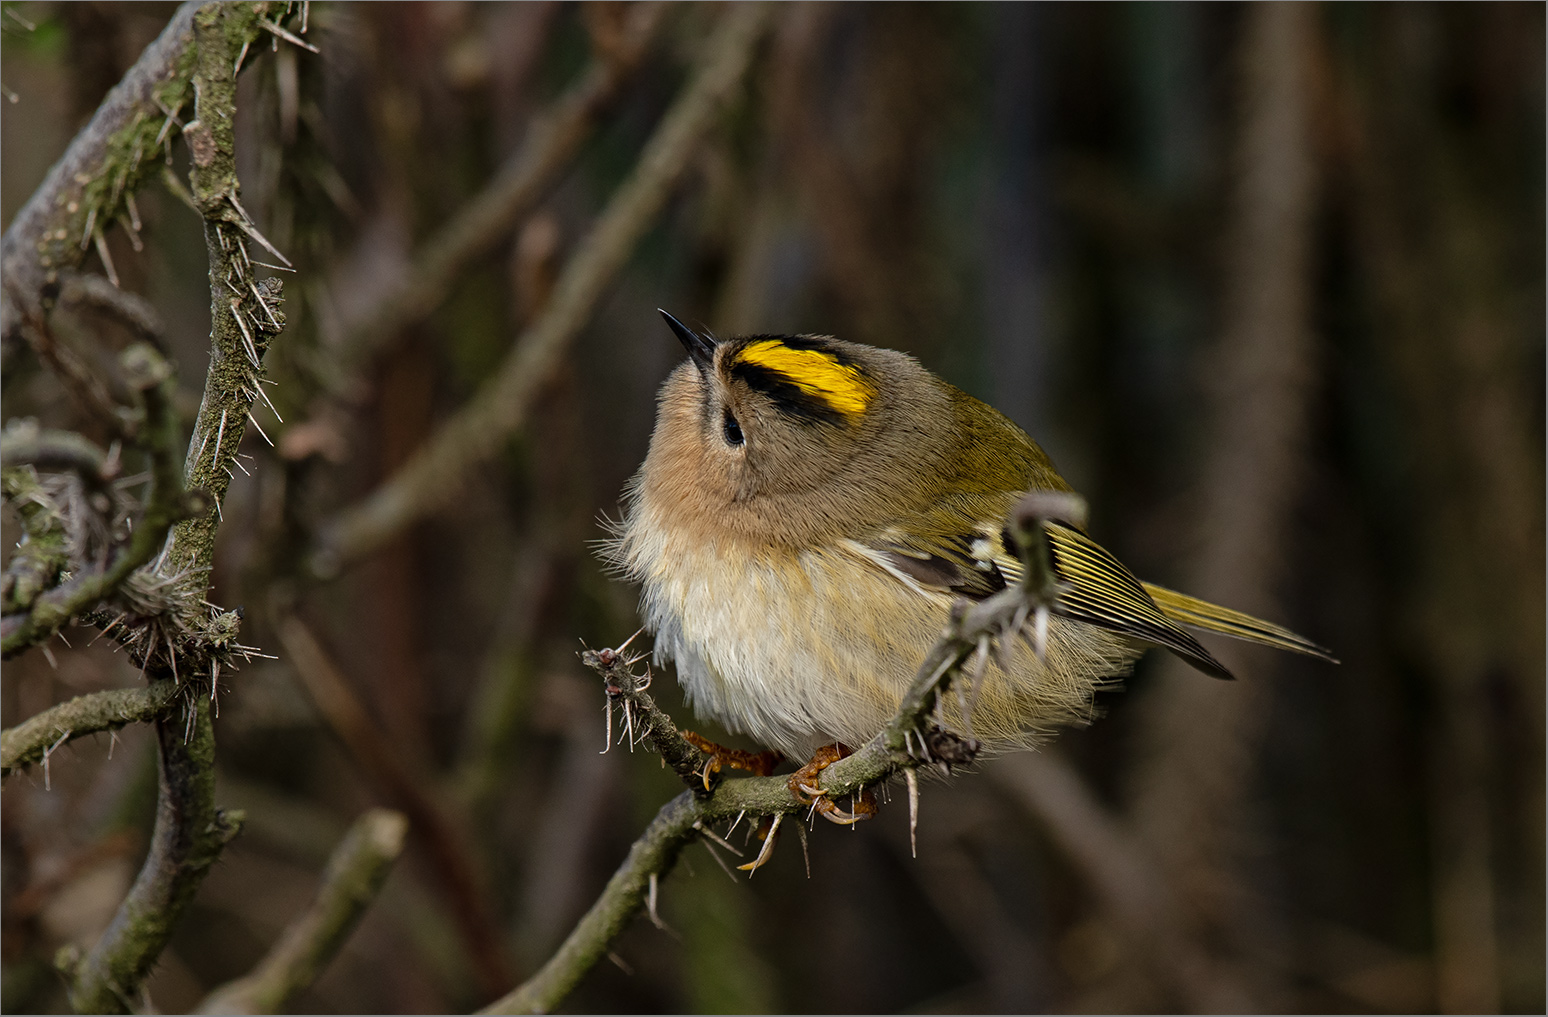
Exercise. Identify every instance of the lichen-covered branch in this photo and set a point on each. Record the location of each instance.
(34, 738)
(433, 476)
(83, 192)
(355, 874)
(44, 550)
(244, 313)
(909, 740)
(190, 832)
(189, 835)
(520, 184)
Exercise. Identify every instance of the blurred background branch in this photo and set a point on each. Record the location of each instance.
(355, 875)
(432, 478)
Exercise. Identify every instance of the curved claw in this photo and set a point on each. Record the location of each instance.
(840, 817)
(768, 847)
(803, 784)
(864, 808)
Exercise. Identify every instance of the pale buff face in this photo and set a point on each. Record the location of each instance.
(792, 478)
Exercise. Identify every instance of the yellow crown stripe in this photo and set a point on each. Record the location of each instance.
(840, 385)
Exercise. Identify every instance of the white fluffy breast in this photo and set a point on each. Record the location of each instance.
(802, 649)
(795, 650)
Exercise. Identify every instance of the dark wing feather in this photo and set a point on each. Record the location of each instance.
(945, 563)
(1101, 592)
(1096, 588)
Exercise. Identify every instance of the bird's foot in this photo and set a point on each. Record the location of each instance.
(803, 784)
(760, 764)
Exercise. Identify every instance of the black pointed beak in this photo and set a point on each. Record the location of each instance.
(701, 348)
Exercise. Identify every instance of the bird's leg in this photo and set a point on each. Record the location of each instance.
(803, 784)
(760, 764)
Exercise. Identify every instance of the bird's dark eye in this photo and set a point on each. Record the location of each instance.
(732, 430)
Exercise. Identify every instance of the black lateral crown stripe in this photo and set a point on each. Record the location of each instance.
(786, 395)
(816, 343)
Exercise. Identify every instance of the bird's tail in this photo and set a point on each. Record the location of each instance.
(1201, 614)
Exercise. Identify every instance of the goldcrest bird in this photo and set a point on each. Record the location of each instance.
(808, 511)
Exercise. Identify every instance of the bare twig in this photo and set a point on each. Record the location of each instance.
(77, 378)
(356, 872)
(27, 742)
(1132, 887)
(130, 308)
(690, 813)
(435, 473)
(495, 211)
(385, 764)
(28, 444)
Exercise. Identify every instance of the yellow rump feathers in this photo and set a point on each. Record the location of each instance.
(816, 373)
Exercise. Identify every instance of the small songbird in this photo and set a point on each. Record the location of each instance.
(807, 513)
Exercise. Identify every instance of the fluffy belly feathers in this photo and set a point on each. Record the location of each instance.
(802, 650)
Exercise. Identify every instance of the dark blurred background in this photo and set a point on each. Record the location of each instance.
(1269, 288)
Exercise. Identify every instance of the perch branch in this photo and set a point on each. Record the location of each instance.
(355, 875)
(891, 750)
(477, 431)
(519, 185)
(34, 738)
(653, 725)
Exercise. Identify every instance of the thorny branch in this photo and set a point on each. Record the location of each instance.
(433, 475)
(189, 832)
(913, 737)
(33, 739)
(244, 312)
(85, 189)
(150, 375)
(356, 871)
